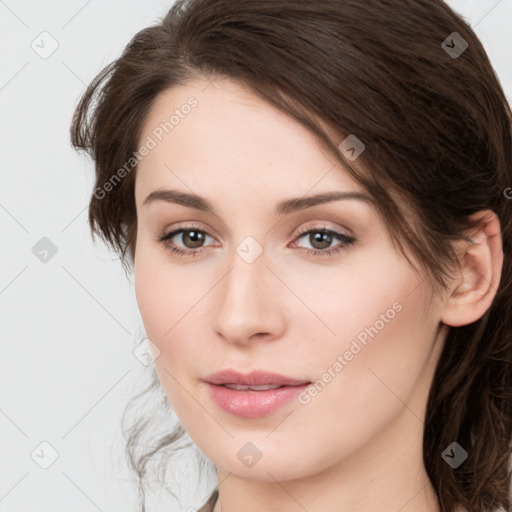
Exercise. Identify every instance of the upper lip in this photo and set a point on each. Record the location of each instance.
(254, 378)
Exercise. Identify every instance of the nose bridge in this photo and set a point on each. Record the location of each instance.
(247, 302)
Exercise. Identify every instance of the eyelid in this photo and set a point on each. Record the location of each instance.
(323, 226)
(166, 231)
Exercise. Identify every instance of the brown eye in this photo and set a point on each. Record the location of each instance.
(321, 239)
(191, 240)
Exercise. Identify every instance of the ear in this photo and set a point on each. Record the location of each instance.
(481, 260)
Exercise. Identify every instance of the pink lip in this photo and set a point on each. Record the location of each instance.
(250, 403)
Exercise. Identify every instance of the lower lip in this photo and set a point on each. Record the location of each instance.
(253, 404)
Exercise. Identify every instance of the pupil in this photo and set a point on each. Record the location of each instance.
(324, 239)
(196, 238)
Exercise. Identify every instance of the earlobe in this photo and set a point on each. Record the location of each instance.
(481, 265)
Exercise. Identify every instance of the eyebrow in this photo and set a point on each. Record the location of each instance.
(282, 208)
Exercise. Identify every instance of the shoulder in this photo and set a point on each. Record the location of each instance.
(210, 504)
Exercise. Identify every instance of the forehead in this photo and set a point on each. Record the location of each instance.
(222, 138)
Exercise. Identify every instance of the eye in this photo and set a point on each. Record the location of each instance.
(192, 238)
(321, 239)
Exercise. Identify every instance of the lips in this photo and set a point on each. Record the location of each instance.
(252, 395)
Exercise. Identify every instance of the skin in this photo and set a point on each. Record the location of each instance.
(357, 444)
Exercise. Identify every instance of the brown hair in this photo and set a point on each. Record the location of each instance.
(437, 134)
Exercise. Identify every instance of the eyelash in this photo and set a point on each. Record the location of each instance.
(346, 240)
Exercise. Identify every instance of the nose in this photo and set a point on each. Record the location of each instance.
(247, 303)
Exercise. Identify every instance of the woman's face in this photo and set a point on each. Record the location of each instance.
(312, 291)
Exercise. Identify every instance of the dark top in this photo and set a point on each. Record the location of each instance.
(210, 504)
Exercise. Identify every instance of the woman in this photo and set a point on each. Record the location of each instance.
(313, 199)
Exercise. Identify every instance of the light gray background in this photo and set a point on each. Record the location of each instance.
(69, 325)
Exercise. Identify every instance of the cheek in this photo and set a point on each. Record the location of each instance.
(170, 300)
(151, 297)
(376, 339)
(342, 302)
(163, 308)
(159, 291)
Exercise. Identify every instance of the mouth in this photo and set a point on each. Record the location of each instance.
(252, 395)
(242, 387)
